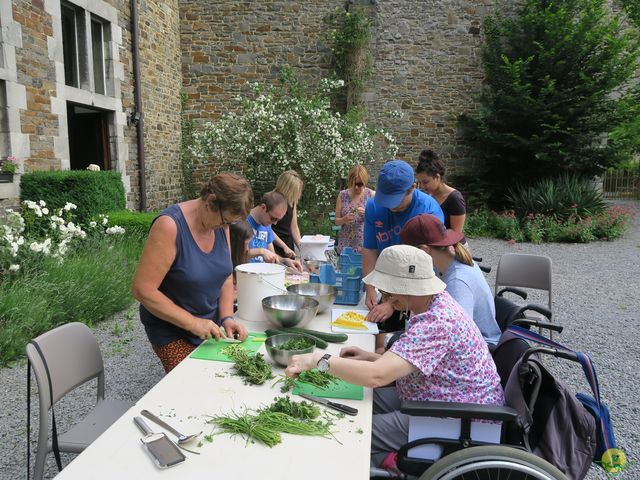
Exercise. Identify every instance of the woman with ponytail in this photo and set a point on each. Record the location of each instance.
(464, 279)
(430, 175)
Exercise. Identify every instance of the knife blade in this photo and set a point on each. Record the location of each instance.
(336, 406)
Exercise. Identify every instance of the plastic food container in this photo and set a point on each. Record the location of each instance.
(312, 247)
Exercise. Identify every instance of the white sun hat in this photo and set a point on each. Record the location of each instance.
(405, 270)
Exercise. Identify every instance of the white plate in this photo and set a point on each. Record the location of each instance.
(336, 312)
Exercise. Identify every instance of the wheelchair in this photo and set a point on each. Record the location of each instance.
(466, 458)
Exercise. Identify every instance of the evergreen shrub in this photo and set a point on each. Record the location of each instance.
(92, 192)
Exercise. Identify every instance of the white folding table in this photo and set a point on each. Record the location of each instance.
(197, 388)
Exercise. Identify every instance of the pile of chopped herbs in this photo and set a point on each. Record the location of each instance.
(266, 425)
(314, 377)
(296, 344)
(252, 368)
(302, 410)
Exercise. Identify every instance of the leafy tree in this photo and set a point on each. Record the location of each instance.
(556, 80)
(632, 8)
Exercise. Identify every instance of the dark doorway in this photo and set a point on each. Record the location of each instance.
(88, 137)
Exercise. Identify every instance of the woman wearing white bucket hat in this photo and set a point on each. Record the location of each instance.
(441, 356)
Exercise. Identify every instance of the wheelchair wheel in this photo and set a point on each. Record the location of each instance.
(492, 462)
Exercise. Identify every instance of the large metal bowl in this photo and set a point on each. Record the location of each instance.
(324, 294)
(281, 357)
(314, 265)
(289, 310)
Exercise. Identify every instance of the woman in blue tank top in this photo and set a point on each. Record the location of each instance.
(184, 279)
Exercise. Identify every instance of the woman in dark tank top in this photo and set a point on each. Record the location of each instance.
(430, 174)
(287, 232)
(184, 279)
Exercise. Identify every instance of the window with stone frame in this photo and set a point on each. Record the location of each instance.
(85, 41)
(100, 32)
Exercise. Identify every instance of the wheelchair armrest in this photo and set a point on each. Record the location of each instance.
(485, 269)
(531, 322)
(459, 410)
(534, 307)
(521, 293)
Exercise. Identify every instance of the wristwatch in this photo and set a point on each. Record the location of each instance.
(323, 363)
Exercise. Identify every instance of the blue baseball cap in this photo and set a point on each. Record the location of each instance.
(396, 177)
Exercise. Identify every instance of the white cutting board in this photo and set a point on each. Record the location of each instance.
(372, 327)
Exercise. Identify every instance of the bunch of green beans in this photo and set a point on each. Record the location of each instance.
(266, 426)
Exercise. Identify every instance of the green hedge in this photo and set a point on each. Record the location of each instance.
(135, 223)
(92, 192)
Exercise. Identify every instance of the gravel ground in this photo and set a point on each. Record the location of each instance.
(596, 298)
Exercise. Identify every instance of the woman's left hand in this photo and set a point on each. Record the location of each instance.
(234, 329)
(288, 252)
(301, 363)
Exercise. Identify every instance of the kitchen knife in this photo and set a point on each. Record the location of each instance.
(337, 406)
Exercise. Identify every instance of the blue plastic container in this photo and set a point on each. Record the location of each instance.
(348, 260)
(348, 284)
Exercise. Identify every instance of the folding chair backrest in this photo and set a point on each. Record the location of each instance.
(73, 357)
(524, 271)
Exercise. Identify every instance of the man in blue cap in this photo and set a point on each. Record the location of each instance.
(396, 201)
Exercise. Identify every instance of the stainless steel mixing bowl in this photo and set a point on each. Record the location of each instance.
(314, 265)
(289, 310)
(324, 294)
(281, 357)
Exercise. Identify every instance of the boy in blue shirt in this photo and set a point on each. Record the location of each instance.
(397, 200)
(272, 208)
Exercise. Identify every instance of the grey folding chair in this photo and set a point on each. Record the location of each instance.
(62, 360)
(525, 271)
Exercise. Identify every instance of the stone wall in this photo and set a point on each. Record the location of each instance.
(227, 44)
(426, 61)
(427, 65)
(160, 69)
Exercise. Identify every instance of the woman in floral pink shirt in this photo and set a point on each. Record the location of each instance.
(441, 356)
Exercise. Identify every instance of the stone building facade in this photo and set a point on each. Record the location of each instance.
(67, 92)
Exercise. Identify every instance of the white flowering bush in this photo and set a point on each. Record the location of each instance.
(290, 127)
(36, 232)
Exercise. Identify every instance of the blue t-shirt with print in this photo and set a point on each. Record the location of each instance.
(262, 237)
(382, 226)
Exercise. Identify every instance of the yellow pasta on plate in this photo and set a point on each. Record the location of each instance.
(352, 320)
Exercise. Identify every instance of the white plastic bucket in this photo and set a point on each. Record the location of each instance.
(256, 281)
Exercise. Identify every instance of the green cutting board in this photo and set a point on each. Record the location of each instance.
(212, 349)
(339, 389)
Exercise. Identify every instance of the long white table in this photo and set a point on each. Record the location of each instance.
(199, 388)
